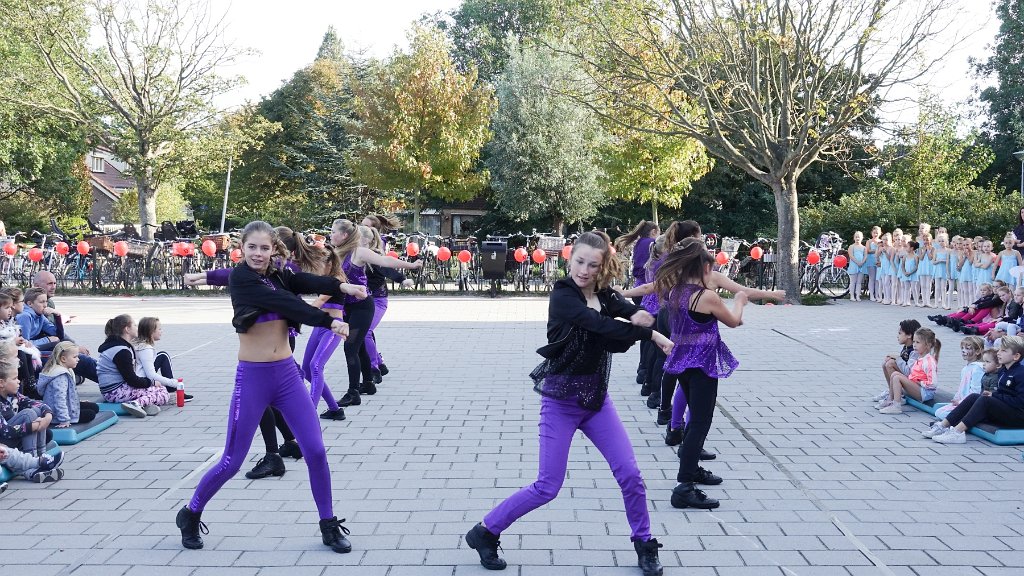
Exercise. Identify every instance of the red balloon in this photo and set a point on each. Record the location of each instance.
(35, 254)
(444, 254)
(120, 248)
(62, 248)
(840, 261)
(412, 249)
(392, 253)
(539, 256)
(236, 255)
(521, 255)
(465, 256)
(82, 247)
(190, 249)
(10, 249)
(721, 258)
(756, 252)
(209, 248)
(813, 257)
(566, 251)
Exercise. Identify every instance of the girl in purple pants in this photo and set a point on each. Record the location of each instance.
(573, 381)
(265, 303)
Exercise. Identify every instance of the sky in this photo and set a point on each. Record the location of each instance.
(287, 35)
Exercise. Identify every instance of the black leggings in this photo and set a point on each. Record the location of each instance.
(359, 316)
(701, 393)
(87, 412)
(655, 368)
(976, 409)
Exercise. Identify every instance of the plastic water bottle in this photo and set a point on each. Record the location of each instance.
(180, 393)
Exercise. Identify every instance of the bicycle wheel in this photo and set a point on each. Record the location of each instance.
(808, 279)
(834, 282)
(767, 279)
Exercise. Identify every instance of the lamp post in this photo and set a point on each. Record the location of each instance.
(1019, 155)
(227, 186)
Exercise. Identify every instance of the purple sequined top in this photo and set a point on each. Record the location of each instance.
(355, 275)
(650, 302)
(697, 344)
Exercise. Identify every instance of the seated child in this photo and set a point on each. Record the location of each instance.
(35, 326)
(155, 365)
(11, 330)
(902, 362)
(25, 420)
(989, 380)
(1008, 311)
(920, 383)
(57, 386)
(971, 349)
(987, 298)
(37, 469)
(117, 371)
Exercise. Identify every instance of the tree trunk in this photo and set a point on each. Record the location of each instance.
(558, 223)
(415, 211)
(787, 256)
(654, 212)
(147, 203)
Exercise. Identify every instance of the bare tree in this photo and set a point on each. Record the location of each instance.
(148, 85)
(776, 85)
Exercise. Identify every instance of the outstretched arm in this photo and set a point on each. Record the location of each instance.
(719, 280)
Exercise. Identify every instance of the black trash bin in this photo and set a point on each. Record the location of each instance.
(492, 263)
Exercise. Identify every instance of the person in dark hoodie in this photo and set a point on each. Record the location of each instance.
(1002, 407)
(118, 377)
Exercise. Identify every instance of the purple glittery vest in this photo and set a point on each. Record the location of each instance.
(354, 274)
(697, 344)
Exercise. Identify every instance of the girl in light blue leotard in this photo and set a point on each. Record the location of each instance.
(872, 264)
(856, 266)
(940, 271)
(1008, 259)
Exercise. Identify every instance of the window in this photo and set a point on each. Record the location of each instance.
(463, 224)
(98, 164)
(430, 224)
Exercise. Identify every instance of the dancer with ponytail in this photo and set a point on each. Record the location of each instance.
(640, 238)
(376, 282)
(265, 303)
(350, 246)
(573, 382)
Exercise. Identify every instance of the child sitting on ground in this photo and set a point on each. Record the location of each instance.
(971, 349)
(25, 420)
(56, 384)
(37, 469)
(10, 330)
(975, 312)
(901, 363)
(1008, 311)
(117, 371)
(990, 364)
(35, 326)
(154, 365)
(920, 383)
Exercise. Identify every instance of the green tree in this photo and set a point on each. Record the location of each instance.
(544, 158)
(420, 124)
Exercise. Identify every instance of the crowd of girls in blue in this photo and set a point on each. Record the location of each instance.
(937, 271)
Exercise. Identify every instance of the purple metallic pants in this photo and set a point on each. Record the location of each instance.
(380, 306)
(322, 344)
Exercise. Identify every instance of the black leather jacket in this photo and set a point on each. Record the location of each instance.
(253, 294)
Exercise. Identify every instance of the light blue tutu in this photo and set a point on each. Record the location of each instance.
(983, 275)
(924, 264)
(885, 268)
(851, 267)
(872, 261)
(967, 271)
(1005, 263)
(940, 268)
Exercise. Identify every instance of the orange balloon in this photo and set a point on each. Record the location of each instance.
(10, 249)
(236, 255)
(121, 248)
(62, 248)
(392, 253)
(209, 248)
(444, 254)
(521, 255)
(465, 256)
(412, 249)
(35, 254)
(813, 257)
(83, 247)
(721, 258)
(539, 256)
(756, 252)
(566, 251)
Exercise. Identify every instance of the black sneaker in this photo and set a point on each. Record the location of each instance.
(377, 376)
(486, 544)
(351, 398)
(333, 534)
(706, 478)
(641, 377)
(338, 414)
(269, 465)
(3, 487)
(290, 449)
(188, 397)
(48, 470)
(942, 320)
(686, 495)
(383, 369)
(368, 388)
(191, 526)
(654, 400)
(704, 454)
(664, 416)
(673, 436)
(647, 557)
(645, 388)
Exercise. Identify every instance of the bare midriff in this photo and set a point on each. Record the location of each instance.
(264, 342)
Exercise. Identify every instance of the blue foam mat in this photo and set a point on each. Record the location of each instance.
(78, 432)
(114, 407)
(993, 434)
(52, 449)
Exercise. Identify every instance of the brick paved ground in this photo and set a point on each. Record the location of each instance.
(816, 481)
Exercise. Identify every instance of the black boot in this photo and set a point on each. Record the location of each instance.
(664, 416)
(942, 320)
(647, 557)
(368, 388)
(351, 398)
(686, 495)
(269, 465)
(486, 544)
(377, 376)
(705, 477)
(704, 454)
(673, 436)
(333, 534)
(191, 525)
(646, 389)
(383, 369)
(338, 414)
(290, 449)
(641, 377)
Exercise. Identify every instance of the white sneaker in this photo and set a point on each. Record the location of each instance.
(951, 436)
(134, 409)
(892, 409)
(882, 403)
(152, 409)
(936, 429)
(883, 395)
